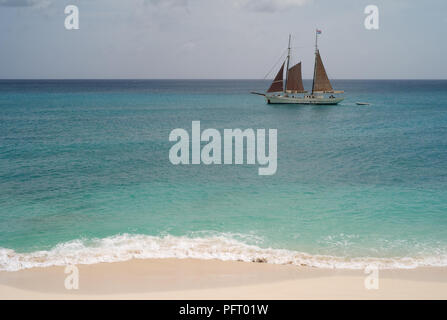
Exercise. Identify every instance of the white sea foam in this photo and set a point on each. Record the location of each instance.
(223, 247)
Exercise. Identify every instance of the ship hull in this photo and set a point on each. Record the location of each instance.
(302, 100)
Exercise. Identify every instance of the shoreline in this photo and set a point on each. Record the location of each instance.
(125, 247)
(215, 279)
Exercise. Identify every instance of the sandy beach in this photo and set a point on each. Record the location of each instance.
(212, 279)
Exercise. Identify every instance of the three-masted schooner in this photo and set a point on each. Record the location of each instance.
(289, 92)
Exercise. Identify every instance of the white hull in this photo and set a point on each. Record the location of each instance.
(301, 100)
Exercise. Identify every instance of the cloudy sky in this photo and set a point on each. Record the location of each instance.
(220, 39)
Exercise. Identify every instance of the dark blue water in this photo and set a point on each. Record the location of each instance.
(84, 171)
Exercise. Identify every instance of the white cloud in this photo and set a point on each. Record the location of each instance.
(269, 5)
(25, 3)
(168, 3)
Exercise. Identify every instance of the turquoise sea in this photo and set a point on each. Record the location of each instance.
(85, 175)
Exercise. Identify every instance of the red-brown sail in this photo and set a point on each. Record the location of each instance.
(277, 84)
(321, 81)
(295, 80)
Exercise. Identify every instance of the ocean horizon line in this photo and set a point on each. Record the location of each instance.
(203, 79)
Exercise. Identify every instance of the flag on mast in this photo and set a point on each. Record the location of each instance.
(318, 31)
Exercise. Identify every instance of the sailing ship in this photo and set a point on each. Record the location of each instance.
(289, 90)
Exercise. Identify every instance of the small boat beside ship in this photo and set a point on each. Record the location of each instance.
(290, 90)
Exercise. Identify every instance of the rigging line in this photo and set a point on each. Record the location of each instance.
(280, 58)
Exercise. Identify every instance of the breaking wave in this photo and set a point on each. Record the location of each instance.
(224, 247)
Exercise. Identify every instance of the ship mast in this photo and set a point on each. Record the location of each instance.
(315, 64)
(287, 69)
